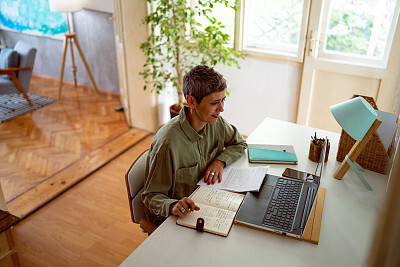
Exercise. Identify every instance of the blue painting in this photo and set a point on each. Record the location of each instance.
(32, 17)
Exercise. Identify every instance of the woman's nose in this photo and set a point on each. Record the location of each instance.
(221, 107)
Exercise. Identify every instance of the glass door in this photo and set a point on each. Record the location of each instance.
(352, 48)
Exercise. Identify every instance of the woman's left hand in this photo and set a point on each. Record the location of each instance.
(214, 172)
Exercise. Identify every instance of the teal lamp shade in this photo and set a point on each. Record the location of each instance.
(355, 116)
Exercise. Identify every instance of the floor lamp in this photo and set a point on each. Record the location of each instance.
(70, 38)
(359, 119)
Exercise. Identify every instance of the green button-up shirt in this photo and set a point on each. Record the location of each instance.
(178, 157)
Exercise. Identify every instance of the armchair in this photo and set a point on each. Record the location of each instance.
(21, 75)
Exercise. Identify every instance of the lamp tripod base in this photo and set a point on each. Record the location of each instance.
(356, 150)
(70, 38)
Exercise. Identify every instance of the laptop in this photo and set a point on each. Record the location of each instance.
(283, 204)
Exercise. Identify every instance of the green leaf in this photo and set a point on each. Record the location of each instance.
(176, 42)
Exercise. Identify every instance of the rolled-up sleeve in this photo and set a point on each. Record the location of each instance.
(159, 182)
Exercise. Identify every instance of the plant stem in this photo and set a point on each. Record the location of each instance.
(177, 54)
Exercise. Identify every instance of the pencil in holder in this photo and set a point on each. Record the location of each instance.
(316, 146)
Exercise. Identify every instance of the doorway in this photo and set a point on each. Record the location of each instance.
(352, 47)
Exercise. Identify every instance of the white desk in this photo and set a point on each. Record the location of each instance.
(348, 220)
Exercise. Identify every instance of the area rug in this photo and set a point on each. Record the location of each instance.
(14, 105)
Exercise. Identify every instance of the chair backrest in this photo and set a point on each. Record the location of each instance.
(27, 54)
(134, 178)
(2, 40)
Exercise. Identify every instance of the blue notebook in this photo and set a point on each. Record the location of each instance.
(283, 154)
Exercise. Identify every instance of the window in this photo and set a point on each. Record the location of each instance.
(226, 16)
(349, 30)
(361, 29)
(275, 26)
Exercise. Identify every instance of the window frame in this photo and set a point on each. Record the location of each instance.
(320, 39)
(281, 55)
(268, 52)
(360, 59)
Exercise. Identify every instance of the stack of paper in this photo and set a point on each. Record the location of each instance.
(240, 179)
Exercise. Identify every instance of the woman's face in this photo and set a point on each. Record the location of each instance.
(210, 107)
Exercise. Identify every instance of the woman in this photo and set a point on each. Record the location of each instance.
(197, 144)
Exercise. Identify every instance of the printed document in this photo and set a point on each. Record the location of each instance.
(240, 179)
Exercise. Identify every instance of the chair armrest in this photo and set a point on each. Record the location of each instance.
(9, 70)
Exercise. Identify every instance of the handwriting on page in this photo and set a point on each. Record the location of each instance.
(215, 220)
(218, 198)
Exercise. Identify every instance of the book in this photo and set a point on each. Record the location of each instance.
(217, 208)
(239, 179)
(284, 154)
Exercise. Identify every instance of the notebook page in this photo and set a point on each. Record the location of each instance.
(215, 220)
(217, 198)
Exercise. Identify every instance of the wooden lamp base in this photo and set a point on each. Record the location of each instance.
(356, 150)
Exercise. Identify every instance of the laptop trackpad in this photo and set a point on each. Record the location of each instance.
(266, 192)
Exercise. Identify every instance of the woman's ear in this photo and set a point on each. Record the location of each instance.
(191, 101)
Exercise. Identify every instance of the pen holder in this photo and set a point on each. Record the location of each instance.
(315, 151)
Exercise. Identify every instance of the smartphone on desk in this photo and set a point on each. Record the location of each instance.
(296, 174)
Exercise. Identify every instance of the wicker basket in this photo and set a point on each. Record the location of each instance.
(374, 156)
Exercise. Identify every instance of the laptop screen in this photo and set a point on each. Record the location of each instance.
(321, 161)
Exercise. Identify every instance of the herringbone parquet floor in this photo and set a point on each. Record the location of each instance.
(47, 151)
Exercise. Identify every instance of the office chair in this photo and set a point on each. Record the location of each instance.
(134, 178)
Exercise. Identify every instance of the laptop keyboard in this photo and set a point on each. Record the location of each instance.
(282, 208)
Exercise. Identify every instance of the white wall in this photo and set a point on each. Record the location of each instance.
(95, 34)
(258, 89)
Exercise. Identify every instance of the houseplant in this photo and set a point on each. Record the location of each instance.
(177, 42)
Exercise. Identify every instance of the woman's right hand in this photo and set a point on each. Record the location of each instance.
(183, 207)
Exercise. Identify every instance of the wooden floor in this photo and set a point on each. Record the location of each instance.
(65, 147)
(89, 225)
(51, 149)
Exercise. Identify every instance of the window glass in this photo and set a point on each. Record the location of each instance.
(273, 24)
(224, 15)
(359, 27)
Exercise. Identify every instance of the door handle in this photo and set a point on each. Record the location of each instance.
(312, 42)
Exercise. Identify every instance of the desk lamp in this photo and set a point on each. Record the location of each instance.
(70, 6)
(359, 119)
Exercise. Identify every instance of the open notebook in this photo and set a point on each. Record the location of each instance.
(217, 207)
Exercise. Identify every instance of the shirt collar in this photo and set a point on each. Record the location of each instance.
(187, 128)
